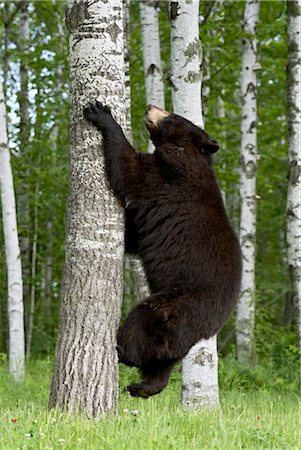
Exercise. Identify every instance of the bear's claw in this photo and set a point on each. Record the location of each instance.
(94, 112)
(102, 107)
(100, 115)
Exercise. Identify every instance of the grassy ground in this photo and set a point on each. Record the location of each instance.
(248, 419)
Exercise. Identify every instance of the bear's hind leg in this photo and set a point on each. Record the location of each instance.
(155, 379)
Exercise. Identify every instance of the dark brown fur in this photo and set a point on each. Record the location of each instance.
(176, 222)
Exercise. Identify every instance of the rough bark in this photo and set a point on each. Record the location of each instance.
(12, 252)
(86, 367)
(153, 74)
(246, 306)
(200, 377)
(293, 211)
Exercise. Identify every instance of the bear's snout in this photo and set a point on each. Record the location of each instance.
(154, 115)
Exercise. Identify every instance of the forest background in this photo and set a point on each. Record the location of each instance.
(39, 150)
(39, 156)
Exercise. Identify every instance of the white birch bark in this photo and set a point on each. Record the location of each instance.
(153, 74)
(205, 57)
(245, 321)
(12, 252)
(86, 364)
(200, 366)
(293, 212)
(141, 287)
(127, 76)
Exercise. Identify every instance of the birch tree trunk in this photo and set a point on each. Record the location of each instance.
(245, 321)
(24, 136)
(153, 74)
(200, 366)
(86, 366)
(293, 211)
(12, 252)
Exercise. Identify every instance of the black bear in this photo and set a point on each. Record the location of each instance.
(176, 222)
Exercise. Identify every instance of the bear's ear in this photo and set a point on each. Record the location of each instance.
(208, 145)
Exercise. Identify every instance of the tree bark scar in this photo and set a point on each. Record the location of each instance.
(174, 7)
(152, 69)
(114, 32)
(75, 15)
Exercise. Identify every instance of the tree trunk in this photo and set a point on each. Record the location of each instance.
(141, 287)
(24, 136)
(12, 251)
(293, 212)
(153, 74)
(33, 275)
(86, 366)
(6, 32)
(200, 377)
(245, 321)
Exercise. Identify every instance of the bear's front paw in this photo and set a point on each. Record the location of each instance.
(102, 107)
(98, 114)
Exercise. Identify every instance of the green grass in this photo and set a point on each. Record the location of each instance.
(248, 419)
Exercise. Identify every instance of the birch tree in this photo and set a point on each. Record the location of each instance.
(200, 376)
(86, 366)
(12, 252)
(245, 321)
(24, 135)
(293, 212)
(153, 74)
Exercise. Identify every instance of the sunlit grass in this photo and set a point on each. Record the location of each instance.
(248, 419)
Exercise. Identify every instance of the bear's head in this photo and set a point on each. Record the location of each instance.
(168, 128)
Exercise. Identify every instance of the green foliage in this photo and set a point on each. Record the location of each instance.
(44, 161)
(221, 35)
(249, 419)
(40, 168)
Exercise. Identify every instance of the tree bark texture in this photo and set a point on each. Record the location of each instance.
(86, 366)
(185, 74)
(293, 212)
(12, 252)
(246, 305)
(141, 287)
(200, 376)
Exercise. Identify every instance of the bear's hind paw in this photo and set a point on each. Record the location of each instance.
(137, 390)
